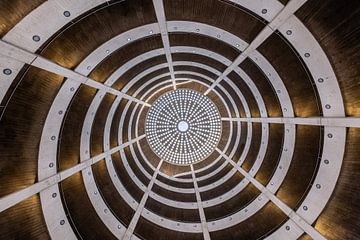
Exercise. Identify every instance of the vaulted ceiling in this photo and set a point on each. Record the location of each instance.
(79, 80)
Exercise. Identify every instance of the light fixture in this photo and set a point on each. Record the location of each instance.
(183, 127)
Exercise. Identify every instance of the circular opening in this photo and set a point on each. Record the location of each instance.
(183, 126)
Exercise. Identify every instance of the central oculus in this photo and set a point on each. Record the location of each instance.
(183, 127)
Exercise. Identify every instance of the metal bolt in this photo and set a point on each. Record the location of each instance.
(67, 14)
(36, 38)
(7, 71)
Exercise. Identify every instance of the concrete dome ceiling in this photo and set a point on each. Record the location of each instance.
(78, 79)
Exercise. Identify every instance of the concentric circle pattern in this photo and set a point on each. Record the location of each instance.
(179, 119)
(183, 127)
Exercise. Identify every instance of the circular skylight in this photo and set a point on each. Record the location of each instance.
(183, 127)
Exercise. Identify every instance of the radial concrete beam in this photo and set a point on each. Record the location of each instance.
(160, 15)
(14, 52)
(200, 206)
(16, 197)
(302, 223)
(141, 206)
(280, 18)
(314, 121)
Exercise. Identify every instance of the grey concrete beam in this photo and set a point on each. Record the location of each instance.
(200, 206)
(302, 223)
(16, 197)
(141, 206)
(314, 121)
(160, 15)
(24, 56)
(280, 18)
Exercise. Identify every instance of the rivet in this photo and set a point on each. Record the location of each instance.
(327, 106)
(237, 45)
(67, 14)
(218, 36)
(151, 32)
(330, 135)
(88, 67)
(288, 32)
(36, 38)
(60, 112)
(119, 226)
(326, 161)
(51, 165)
(107, 51)
(62, 222)
(264, 11)
(53, 138)
(54, 195)
(280, 167)
(287, 228)
(318, 186)
(95, 193)
(320, 80)
(307, 55)
(198, 30)
(72, 89)
(278, 91)
(285, 109)
(105, 211)
(305, 208)
(7, 71)
(129, 39)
